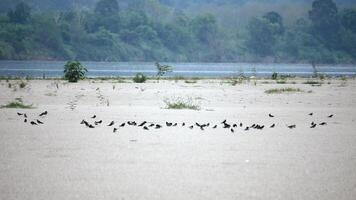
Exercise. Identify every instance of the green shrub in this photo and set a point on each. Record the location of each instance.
(17, 104)
(22, 84)
(282, 90)
(180, 103)
(74, 71)
(139, 78)
(274, 76)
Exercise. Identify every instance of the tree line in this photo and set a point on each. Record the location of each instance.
(111, 33)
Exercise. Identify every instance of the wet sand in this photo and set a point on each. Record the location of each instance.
(63, 159)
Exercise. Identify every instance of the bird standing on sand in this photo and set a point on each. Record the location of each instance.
(215, 126)
(111, 123)
(143, 123)
(93, 117)
(191, 127)
(232, 130)
(330, 116)
(292, 126)
(313, 126)
(123, 124)
(183, 124)
(25, 120)
(19, 114)
(310, 114)
(114, 130)
(247, 128)
(33, 123)
(168, 124)
(98, 122)
(145, 127)
(158, 126)
(270, 115)
(38, 121)
(44, 113)
(273, 125)
(323, 124)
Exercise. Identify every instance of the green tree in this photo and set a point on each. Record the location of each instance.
(276, 19)
(324, 17)
(261, 38)
(348, 19)
(107, 7)
(74, 71)
(162, 69)
(21, 14)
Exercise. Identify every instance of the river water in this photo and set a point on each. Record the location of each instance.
(112, 69)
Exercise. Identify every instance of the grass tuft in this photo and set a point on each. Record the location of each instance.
(179, 103)
(282, 90)
(17, 104)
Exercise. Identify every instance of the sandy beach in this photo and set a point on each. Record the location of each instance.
(63, 159)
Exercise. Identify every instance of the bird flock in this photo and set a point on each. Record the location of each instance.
(145, 125)
(35, 121)
(232, 127)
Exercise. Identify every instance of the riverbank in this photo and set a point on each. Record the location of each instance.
(64, 159)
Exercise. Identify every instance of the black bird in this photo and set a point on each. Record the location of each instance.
(261, 127)
(223, 122)
(19, 114)
(207, 125)
(44, 113)
(111, 123)
(151, 125)
(323, 123)
(91, 126)
(25, 120)
(253, 126)
(114, 130)
(270, 115)
(202, 128)
(313, 123)
(330, 116)
(25, 115)
(98, 122)
(313, 126)
(292, 126)
(93, 117)
(191, 127)
(123, 124)
(38, 121)
(241, 125)
(33, 123)
(145, 127)
(168, 124)
(232, 130)
(215, 126)
(273, 125)
(143, 123)
(227, 126)
(82, 122)
(175, 124)
(247, 128)
(158, 126)
(196, 123)
(183, 124)
(310, 114)
(235, 125)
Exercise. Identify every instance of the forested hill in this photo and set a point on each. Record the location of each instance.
(322, 31)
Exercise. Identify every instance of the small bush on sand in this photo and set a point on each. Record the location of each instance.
(179, 103)
(74, 71)
(162, 70)
(139, 78)
(274, 76)
(282, 90)
(17, 104)
(22, 84)
(190, 81)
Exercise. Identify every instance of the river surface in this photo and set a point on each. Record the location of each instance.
(112, 69)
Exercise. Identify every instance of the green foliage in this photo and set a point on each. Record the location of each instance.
(74, 71)
(21, 14)
(162, 69)
(139, 78)
(283, 90)
(274, 76)
(180, 103)
(145, 30)
(18, 103)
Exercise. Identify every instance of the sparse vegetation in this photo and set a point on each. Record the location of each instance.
(162, 70)
(281, 81)
(282, 90)
(274, 76)
(22, 84)
(313, 82)
(74, 71)
(190, 81)
(139, 78)
(18, 103)
(180, 103)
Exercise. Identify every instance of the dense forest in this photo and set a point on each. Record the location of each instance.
(322, 31)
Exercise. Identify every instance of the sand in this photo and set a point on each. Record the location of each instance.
(63, 159)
